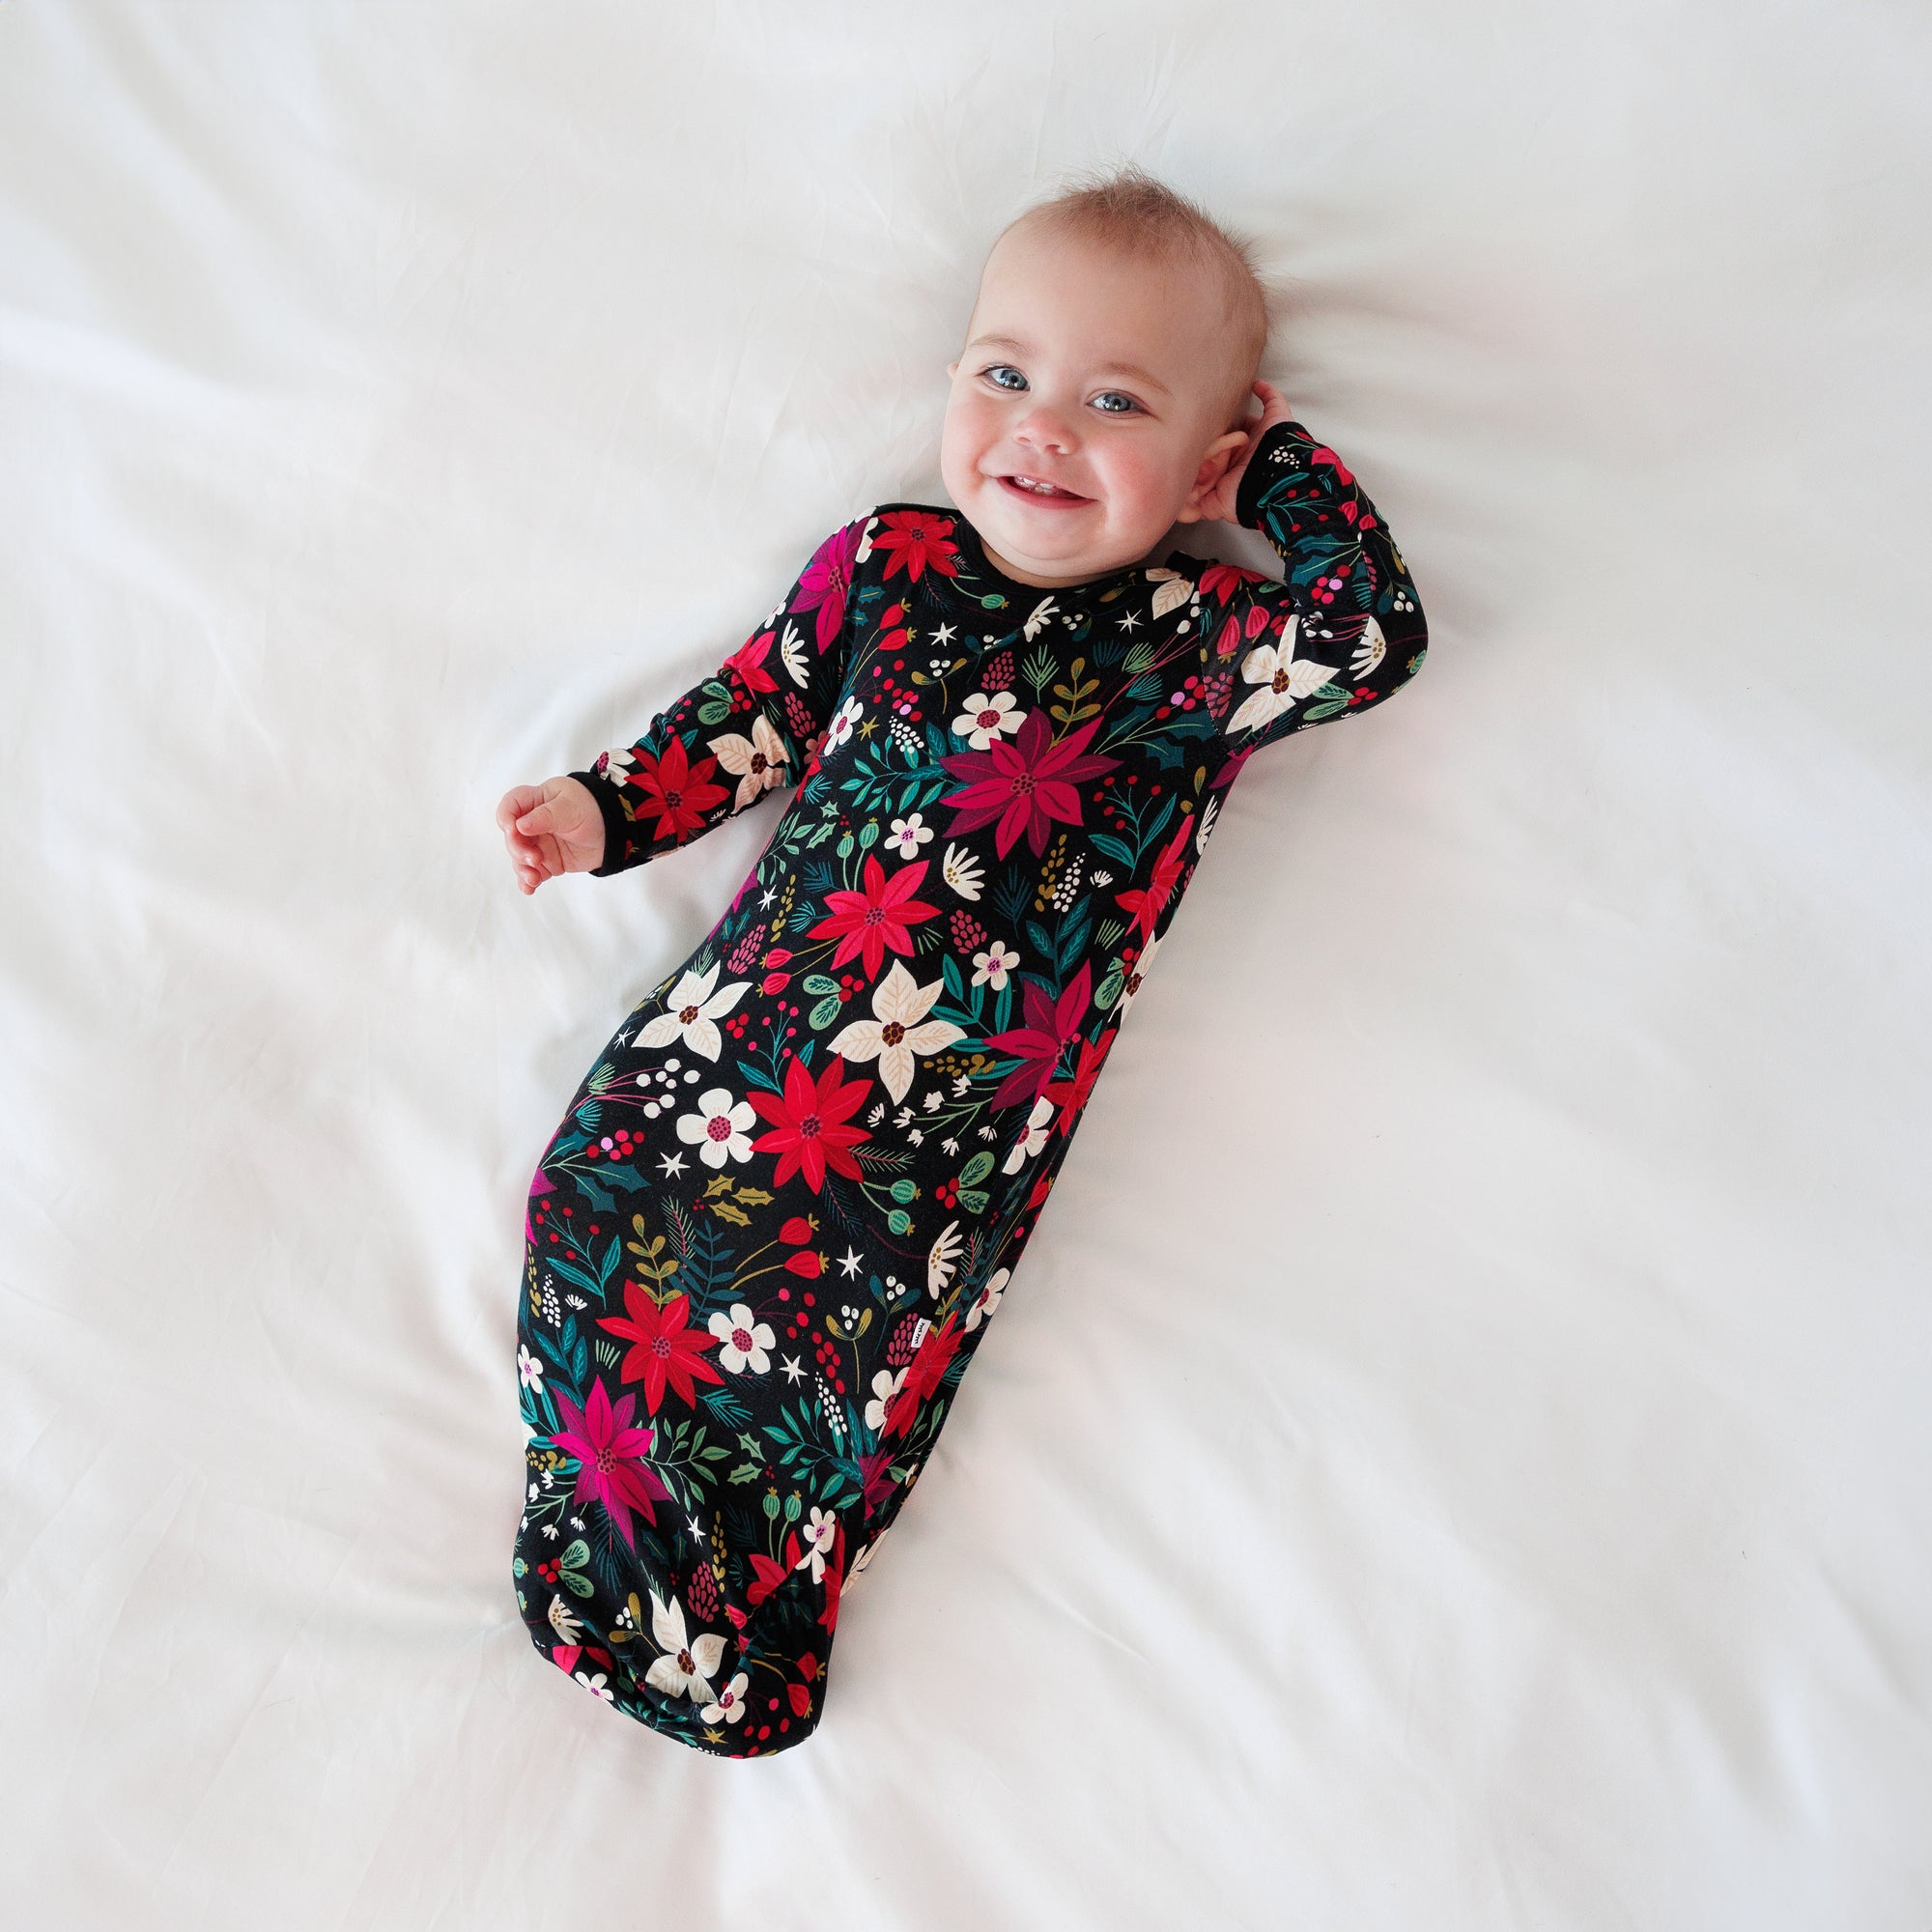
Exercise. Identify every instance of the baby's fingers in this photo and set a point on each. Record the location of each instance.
(515, 801)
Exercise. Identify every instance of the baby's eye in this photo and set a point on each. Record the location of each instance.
(999, 369)
(1117, 397)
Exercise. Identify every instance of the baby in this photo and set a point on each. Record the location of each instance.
(784, 1205)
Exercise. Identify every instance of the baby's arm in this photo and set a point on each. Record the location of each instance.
(754, 725)
(1349, 631)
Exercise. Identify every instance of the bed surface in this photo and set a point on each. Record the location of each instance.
(1457, 1451)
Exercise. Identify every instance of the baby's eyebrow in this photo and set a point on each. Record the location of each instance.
(1131, 370)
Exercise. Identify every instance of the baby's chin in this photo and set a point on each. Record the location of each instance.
(1068, 544)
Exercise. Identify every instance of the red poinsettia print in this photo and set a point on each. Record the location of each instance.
(927, 1370)
(810, 1130)
(1070, 1096)
(1221, 580)
(877, 915)
(914, 541)
(1148, 902)
(664, 1349)
(680, 794)
(748, 663)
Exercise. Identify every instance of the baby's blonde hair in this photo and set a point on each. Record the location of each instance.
(1129, 210)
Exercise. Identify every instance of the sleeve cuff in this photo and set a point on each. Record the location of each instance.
(1262, 470)
(616, 827)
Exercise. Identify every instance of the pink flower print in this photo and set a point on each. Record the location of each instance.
(1026, 784)
(1050, 1023)
(608, 1454)
(827, 582)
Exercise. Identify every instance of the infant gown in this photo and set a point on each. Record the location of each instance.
(789, 1197)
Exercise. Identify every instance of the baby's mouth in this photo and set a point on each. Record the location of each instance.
(1036, 491)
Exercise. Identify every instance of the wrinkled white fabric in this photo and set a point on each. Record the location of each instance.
(1526, 1124)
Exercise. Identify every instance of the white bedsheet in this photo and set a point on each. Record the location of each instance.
(1456, 1455)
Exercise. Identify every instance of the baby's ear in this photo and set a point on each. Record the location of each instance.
(1214, 463)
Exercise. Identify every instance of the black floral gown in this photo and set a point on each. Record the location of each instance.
(786, 1202)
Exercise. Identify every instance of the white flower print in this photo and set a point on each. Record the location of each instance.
(942, 1257)
(758, 762)
(564, 1622)
(1041, 611)
(818, 1534)
(597, 1686)
(529, 1369)
(688, 1664)
(909, 835)
(993, 965)
(986, 716)
(692, 1012)
(792, 654)
(745, 1338)
(844, 720)
(1175, 590)
(1033, 1136)
(885, 1387)
(895, 1037)
(988, 1297)
(719, 1129)
(865, 1556)
(961, 871)
(1371, 648)
(1209, 813)
(1284, 678)
(731, 1701)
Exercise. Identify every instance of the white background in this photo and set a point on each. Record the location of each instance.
(1459, 1450)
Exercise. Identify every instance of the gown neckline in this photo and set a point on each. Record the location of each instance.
(970, 541)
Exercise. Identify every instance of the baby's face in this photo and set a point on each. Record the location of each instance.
(1106, 377)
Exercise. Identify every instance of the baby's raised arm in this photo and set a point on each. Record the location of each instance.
(1349, 631)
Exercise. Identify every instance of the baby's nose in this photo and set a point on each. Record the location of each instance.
(1043, 429)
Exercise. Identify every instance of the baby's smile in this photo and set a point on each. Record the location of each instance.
(1044, 492)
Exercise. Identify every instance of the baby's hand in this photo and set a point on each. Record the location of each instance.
(549, 828)
(1219, 506)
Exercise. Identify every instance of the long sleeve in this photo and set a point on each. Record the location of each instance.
(1351, 631)
(756, 724)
